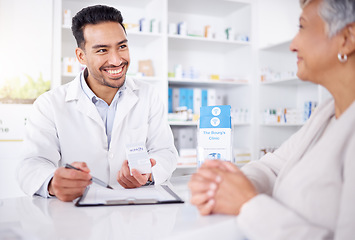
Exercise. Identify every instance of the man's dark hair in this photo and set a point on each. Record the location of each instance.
(93, 15)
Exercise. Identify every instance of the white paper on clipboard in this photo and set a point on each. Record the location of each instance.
(153, 194)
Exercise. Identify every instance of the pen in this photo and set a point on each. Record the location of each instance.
(94, 179)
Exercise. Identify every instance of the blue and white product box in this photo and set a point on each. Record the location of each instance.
(138, 158)
(215, 134)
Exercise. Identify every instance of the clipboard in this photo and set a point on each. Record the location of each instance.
(154, 194)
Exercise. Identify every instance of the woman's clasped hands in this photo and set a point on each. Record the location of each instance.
(220, 187)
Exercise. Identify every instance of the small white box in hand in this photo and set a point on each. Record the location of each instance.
(138, 158)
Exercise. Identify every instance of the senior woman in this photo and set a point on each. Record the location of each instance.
(305, 189)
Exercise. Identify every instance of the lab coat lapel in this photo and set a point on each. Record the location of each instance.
(83, 105)
(125, 105)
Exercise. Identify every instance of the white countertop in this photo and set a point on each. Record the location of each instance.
(39, 218)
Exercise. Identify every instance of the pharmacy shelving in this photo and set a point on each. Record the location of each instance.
(278, 22)
(211, 41)
(289, 92)
(229, 59)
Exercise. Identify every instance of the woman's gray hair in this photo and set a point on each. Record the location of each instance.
(335, 13)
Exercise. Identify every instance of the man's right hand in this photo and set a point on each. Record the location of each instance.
(68, 184)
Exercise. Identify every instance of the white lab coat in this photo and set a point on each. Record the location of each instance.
(65, 127)
(307, 185)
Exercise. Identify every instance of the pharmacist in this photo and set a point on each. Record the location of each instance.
(89, 121)
(306, 188)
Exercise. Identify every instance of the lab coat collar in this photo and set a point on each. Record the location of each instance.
(130, 84)
(74, 89)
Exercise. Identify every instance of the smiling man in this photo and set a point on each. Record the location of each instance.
(90, 121)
